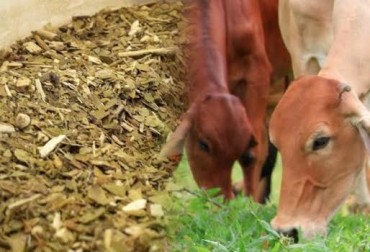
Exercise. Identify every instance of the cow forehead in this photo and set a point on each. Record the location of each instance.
(309, 101)
(221, 108)
(222, 117)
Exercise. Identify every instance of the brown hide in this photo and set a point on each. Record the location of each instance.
(229, 76)
(249, 75)
(276, 51)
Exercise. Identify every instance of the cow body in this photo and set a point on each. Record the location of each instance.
(229, 76)
(320, 126)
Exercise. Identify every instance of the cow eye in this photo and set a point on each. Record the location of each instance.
(247, 159)
(203, 146)
(320, 143)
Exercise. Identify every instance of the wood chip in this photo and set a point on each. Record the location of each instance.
(46, 34)
(23, 82)
(6, 128)
(135, 205)
(51, 145)
(56, 45)
(31, 47)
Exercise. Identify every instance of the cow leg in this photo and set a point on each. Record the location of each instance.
(267, 169)
(264, 184)
(249, 75)
(252, 169)
(253, 92)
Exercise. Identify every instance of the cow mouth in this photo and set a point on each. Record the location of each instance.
(292, 233)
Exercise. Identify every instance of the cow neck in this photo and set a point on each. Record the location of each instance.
(334, 72)
(207, 50)
(200, 87)
(348, 57)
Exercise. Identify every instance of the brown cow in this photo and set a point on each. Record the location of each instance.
(229, 78)
(321, 127)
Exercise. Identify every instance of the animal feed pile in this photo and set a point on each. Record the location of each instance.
(84, 110)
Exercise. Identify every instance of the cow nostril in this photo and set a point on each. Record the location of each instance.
(292, 233)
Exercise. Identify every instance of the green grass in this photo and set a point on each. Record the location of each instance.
(203, 223)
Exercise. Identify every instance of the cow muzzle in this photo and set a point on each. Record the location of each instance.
(289, 227)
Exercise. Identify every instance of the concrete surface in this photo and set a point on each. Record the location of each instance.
(19, 17)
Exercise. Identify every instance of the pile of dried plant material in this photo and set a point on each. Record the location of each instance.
(84, 110)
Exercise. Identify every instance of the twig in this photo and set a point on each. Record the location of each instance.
(7, 91)
(23, 201)
(40, 90)
(127, 127)
(46, 34)
(41, 42)
(159, 51)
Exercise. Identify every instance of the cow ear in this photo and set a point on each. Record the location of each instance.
(363, 125)
(176, 141)
(353, 108)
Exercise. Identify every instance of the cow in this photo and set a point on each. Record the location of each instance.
(229, 75)
(321, 125)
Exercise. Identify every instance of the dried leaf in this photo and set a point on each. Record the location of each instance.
(91, 215)
(105, 74)
(17, 242)
(115, 189)
(94, 60)
(97, 194)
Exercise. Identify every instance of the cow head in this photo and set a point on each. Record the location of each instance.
(319, 127)
(216, 132)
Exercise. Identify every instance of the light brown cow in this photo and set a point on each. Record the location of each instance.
(320, 126)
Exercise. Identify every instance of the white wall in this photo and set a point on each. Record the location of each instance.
(19, 17)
